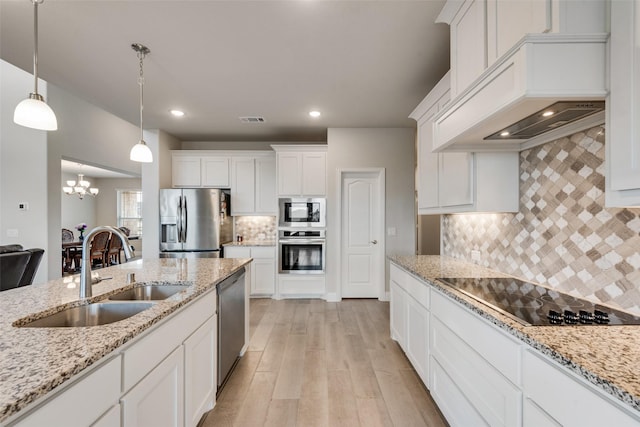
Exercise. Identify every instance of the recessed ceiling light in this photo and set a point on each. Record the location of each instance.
(505, 133)
(314, 113)
(547, 113)
(177, 113)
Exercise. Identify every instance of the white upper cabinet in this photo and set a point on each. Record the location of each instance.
(512, 59)
(468, 51)
(623, 127)
(199, 169)
(301, 170)
(253, 184)
(460, 182)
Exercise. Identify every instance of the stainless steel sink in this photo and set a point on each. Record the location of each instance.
(148, 293)
(99, 313)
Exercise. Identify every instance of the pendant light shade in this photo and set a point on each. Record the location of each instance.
(33, 112)
(141, 152)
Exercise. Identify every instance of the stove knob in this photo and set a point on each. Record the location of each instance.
(570, 317)
(554, 317)
(601, 317)
(586, 317)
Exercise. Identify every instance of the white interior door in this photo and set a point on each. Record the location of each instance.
(362, 232)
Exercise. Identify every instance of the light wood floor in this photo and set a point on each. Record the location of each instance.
(314, 363)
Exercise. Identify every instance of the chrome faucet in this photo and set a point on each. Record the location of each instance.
(85, 269)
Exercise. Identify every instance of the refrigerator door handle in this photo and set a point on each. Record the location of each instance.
(184, 220)
(179, 219)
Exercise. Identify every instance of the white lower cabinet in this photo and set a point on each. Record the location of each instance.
(165, 377)
(157, 400)
(410, 319)
(561, 398)
(200, 380)
(479, 375)
(263, 267)
(86, 400)
(110, 419)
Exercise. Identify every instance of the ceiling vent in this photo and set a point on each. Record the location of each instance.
(252, 119)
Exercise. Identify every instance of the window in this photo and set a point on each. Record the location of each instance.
(130, 211)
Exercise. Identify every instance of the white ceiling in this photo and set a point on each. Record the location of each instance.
(361, 63)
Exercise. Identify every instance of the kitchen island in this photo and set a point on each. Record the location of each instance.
(566, 371)
(36, 363)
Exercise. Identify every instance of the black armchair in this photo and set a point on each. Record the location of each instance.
(18, 266)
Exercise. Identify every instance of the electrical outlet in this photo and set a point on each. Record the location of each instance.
(12, 232)
(391, 231)
(475, 255)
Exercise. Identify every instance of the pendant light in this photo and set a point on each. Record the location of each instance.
(141, 152)
(33, 112)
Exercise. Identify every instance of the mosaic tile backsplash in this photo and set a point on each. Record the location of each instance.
(563, 236)
(253, 228)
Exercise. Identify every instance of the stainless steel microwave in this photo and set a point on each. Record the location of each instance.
(302, 212)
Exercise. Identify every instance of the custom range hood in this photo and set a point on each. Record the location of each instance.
(545, 87)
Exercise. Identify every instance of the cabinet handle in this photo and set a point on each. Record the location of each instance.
(375, 242)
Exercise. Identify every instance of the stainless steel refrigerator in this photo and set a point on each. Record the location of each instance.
(194, 222)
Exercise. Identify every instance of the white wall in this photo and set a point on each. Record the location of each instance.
(89, 135)
(155, 176)
(392, 149)
(23, 169)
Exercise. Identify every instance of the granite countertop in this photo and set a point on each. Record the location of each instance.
(34, 361)
(252, 243)
(606, 356)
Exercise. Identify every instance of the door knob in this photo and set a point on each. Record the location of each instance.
(375, 242)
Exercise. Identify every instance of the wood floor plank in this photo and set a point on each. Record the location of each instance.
(319, 367)
(373, 413)
(282, 413)
(255, 407)
(260, 336)
(422, 399)
(274, 350)
(232, 397)
(290, 377)
(313, 412)
(316, 331)
(398, 399)
(300, 319)
(314, 383)
(343, 409)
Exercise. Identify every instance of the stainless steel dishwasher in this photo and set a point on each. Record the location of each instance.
(231, 299)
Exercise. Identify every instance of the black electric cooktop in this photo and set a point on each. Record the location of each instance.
(535, 305)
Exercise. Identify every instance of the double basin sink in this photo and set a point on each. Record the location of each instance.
(119, 306)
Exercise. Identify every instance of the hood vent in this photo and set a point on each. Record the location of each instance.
(548, 119)
(503, 109)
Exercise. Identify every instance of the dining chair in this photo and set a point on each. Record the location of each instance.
(98, 248)
(113, 251)
(68, 254)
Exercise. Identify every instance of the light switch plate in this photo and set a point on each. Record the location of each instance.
(12, 232)
(475, 255)
(391, 231)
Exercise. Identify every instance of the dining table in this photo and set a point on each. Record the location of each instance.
(70, 252)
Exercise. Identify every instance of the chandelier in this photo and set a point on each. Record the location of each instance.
(81, 187)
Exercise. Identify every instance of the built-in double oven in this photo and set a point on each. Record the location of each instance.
(301, 236)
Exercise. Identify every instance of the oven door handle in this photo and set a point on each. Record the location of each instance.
(301, 241)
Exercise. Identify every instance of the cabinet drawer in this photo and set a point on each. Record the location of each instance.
(263, 252)
(568, 399)
(455, 407)
(496, 399)
(237, 252)
(83, 402)
(500, 350)
(151, 349)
